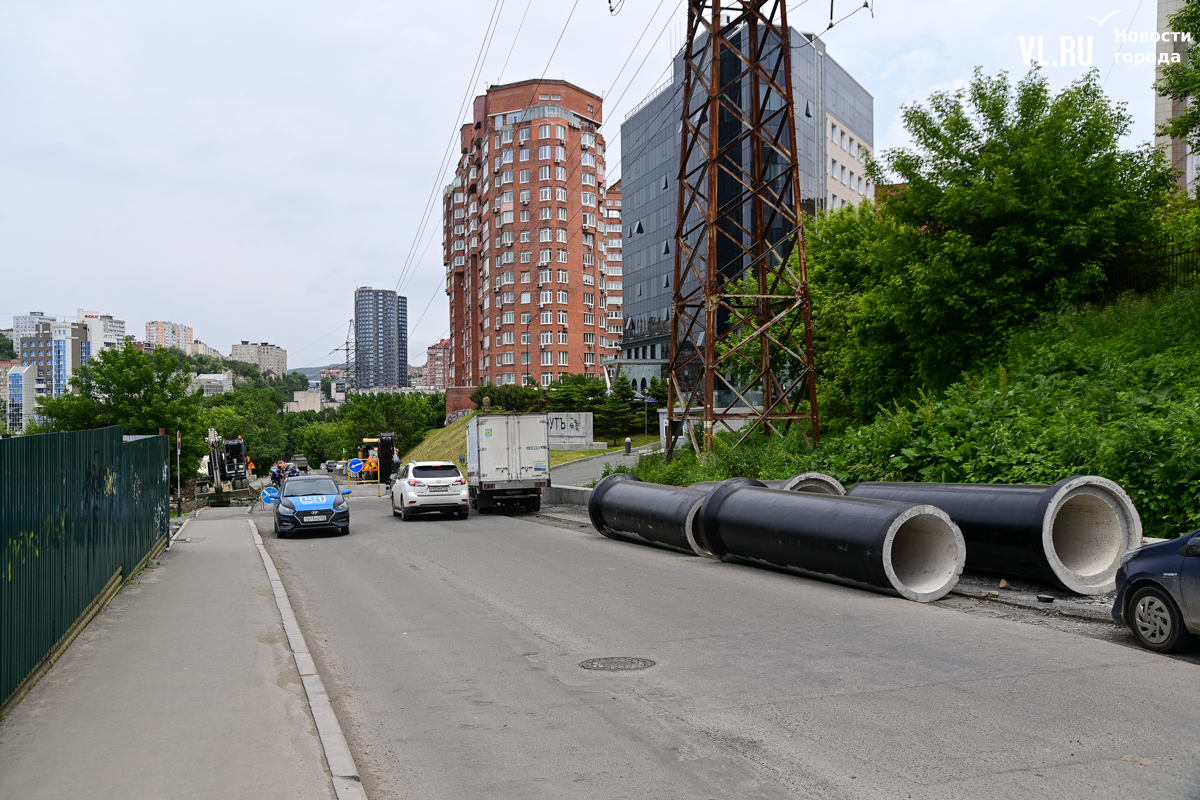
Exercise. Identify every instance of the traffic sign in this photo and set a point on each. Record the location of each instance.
(355, 465)
(269, 495)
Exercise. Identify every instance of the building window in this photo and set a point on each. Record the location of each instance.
(524, 154)
(544, 194)
(562, 337)
(545, 296)
(544, 152)
(563, 358)
(545, 213)
(562, 318)
(588, 179)
(524, 234)
(524, 297)
(589, 298)
(588, 199)
(562, 256)
(562, 296)
(547, 337)
(562, 235)
(544, 256)
(546, 318)
(560, 194)
(524, 176)
(562, 276)
(544, 130)
(544, 175)
(560, 173)
(547, 378)
(547, 361)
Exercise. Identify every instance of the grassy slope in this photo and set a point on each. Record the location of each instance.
(1113, 391)
(447, 443)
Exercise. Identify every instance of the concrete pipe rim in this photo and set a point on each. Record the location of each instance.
(689, 530)
(1089, 524)
(816, 483)
(924, 554)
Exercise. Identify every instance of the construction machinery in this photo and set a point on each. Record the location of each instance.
(228, 475)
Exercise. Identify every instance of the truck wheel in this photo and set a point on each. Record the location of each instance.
(533, 505)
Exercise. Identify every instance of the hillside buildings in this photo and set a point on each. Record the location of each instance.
(268, 357)
(380, 338)
(26, 324)
(834, 132)
(522, 238)
(103, 330)
(168, 334)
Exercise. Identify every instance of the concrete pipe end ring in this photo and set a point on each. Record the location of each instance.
(924, 554)
(689, 530)
(1089, 524)
(815, 482)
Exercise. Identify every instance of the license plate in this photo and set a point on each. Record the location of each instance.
(438, 489)
(316, 518)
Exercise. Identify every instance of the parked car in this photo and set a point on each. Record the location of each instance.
(330, 466)
(424, 486)
(341, 467)
(311, 502)
(1158, 593)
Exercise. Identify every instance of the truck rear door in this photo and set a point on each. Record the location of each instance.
(492, 436)
(531, 449)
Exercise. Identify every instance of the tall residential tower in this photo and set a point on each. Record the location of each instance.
(380, 339)
(524, 243)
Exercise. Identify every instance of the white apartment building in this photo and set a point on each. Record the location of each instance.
(268, 357)
(103, 330)
(26, 324)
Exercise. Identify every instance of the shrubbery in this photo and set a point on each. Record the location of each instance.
(1112, 391)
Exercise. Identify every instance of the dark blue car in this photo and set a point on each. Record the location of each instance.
(311, 503)
(1158, 593)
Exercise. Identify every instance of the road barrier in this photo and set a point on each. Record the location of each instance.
(79, 513)
(1072, 532)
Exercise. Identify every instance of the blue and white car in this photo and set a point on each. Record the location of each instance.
(311, 503)
(1158, 593)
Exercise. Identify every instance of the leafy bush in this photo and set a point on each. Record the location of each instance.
(1112, 392)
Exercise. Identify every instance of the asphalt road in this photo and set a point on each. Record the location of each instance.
(451, 650)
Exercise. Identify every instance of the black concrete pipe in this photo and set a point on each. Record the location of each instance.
(624, 507)
(1072, 532)
(814, 482)
(910, 550)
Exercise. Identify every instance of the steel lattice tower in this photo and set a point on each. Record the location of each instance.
(741, 326)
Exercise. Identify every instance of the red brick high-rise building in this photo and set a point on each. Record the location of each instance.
(437, 365)
(524, 240)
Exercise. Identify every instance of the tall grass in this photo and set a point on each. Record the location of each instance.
(1111, 391)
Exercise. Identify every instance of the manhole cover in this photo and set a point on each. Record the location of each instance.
(616, 663)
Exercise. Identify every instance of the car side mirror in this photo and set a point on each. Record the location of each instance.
(345, 491)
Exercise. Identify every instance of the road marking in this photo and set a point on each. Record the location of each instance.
(337, 753)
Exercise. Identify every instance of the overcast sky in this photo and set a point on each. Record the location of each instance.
(241, 166)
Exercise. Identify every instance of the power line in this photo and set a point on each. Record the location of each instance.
(485, 47)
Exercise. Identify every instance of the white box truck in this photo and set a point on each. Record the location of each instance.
(508, 460)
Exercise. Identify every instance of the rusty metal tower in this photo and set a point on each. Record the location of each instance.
(741, 327)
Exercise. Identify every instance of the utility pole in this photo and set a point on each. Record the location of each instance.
(741, 326)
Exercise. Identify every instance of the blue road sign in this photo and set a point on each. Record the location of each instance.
(355, 465)
(269, 495)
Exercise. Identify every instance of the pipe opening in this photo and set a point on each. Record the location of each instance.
(925, 556)
(1087, 535)
(814, 489)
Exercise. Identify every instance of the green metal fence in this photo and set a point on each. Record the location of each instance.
(74, 509)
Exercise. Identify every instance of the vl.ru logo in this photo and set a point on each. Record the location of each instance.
(1070, 51)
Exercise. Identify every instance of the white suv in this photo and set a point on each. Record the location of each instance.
(429, 486)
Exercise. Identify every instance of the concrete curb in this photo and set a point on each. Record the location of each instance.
(337, 753)
(567, 495)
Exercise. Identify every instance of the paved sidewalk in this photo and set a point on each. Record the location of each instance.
(183, 687)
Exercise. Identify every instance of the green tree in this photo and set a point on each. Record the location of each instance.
(255, 415)
(124, 386)
(617, 413)
(510, 397)
(576, 393)
(323, 441)
(7, 351)
(409, 416)
(1181, 81)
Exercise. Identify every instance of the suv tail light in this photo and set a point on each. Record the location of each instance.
(411, 482)
(458, 482)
